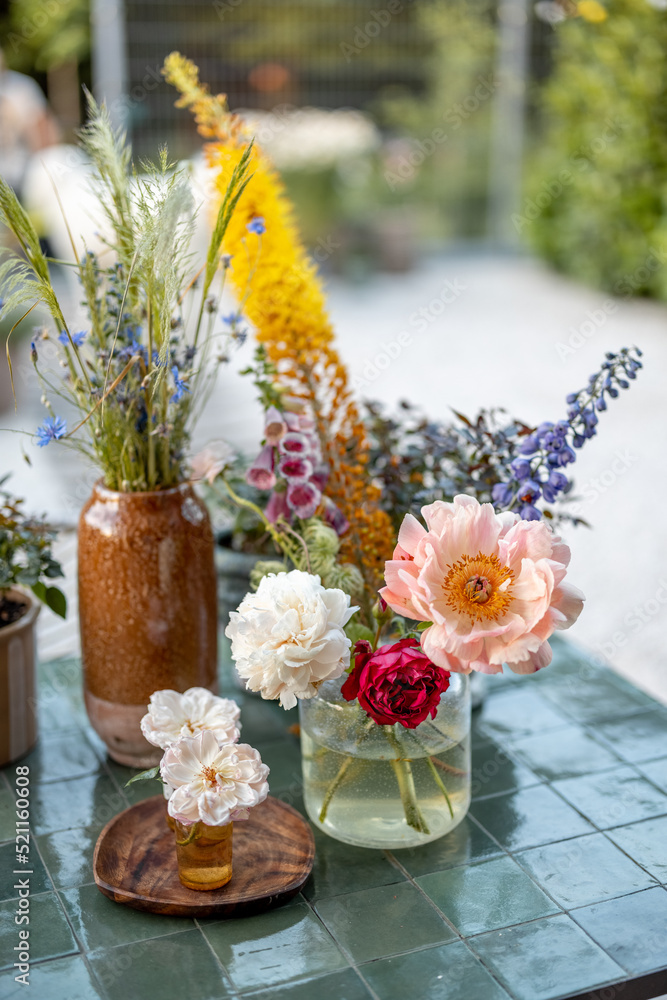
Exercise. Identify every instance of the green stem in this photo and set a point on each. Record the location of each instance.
(342, 771)
(436, 777)
(194, 830)
(278, 536)
(149, 405)
(344, 768)
(439, 783)
(406, 785)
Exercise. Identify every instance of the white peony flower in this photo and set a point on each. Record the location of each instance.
(214, 784)
(289, 636)
(172, 715)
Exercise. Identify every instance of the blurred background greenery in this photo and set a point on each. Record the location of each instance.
(381, 116)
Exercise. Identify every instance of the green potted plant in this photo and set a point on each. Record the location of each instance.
(27, 568)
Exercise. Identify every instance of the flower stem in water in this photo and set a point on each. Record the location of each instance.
(436, 777)
(194, 830)
(342, 772)
(406, 785)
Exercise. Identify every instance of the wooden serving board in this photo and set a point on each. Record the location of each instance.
(135, 862)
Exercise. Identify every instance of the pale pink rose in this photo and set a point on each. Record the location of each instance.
(211, 783)
(491, 584)
(210, 462)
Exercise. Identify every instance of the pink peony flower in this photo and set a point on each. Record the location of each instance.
(491, 584)
(260, 473)
(296, 469)
(303, 499)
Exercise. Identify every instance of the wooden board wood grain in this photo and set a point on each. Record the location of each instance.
(135, 862)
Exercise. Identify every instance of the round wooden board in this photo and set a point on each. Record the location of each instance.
(135, 862)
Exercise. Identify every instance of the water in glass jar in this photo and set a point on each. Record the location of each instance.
(361, 791)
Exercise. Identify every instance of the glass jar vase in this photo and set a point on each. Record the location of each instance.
(385, 786)
(204, 854)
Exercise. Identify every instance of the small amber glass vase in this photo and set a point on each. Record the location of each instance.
(204, 854)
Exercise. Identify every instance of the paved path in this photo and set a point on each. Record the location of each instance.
(493, 331)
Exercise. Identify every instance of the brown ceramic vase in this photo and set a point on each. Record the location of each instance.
(18, 716)
(147, 608)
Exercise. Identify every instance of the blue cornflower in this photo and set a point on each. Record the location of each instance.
(52, 429)
(181, 386)
(232, 318)
(77, 338)
(257, 225)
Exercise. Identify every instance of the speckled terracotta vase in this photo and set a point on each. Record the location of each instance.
(147, 608)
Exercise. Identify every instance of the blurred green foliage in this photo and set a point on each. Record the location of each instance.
(597, 180)
(40, 35)
(445, 168)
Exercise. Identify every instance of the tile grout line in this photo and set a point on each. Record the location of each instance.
(451, 925)
(351, 963)
(218, 961)
(563, 909)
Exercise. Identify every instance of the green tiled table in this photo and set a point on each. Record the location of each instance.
(554, 886)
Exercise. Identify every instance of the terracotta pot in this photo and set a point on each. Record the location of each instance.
(147, 608)
(18, 716)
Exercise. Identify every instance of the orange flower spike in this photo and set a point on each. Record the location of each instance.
(285, 302)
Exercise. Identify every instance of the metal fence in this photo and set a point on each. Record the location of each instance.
(326, 53)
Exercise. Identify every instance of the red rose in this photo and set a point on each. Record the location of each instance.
(396, 683)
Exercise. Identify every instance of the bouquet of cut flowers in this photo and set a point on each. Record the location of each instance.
(385, 638)
(210, 780)
(140, 371)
